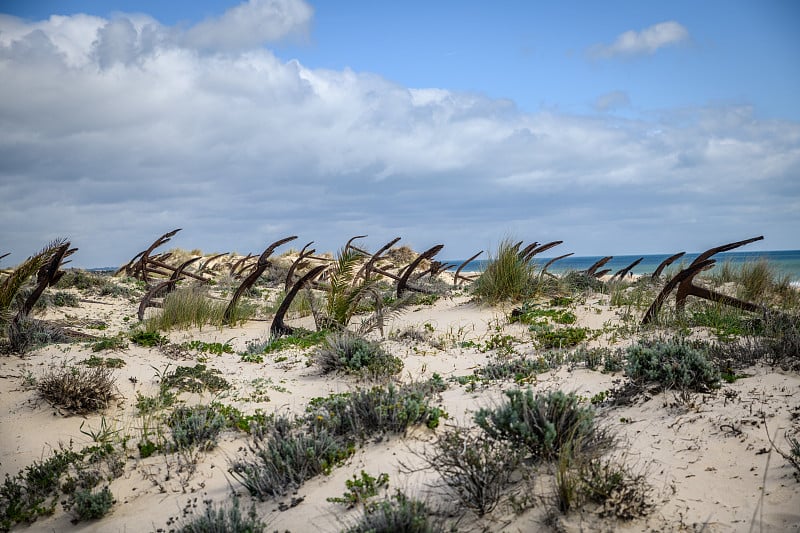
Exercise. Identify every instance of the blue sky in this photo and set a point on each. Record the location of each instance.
(618, 127)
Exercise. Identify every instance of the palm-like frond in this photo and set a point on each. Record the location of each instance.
(340, 293)
(11, 286)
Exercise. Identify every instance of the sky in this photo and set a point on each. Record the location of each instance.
(618, 127)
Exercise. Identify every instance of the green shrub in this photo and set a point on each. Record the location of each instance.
(397, 514)
(196, 379)
(284, 459)
(343, 351)
(222, 519)
(106, 362)
(93, 505)
(148, 339)
(543, 423)
(196, 426)
(367, 412)
(519, 368)
(109, 343)
(507, 276)
(191, 307)
(671, 364)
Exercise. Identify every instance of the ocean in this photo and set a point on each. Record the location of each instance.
(784, 261)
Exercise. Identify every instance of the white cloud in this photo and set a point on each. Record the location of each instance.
(646, 41)
(250, 25)
(116, 139)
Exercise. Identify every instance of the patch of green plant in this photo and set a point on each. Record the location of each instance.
(300, 339)
(726, 322)
(105, 362)
(191, 307)
(561, 301)
(671, 364)
(216, 348)
(235, 419)
(520, 369)
(251, 358)
(543, 423)
(577, 281)
(529, 313)
(618, 491)
(196, 379)
(504, 344)
(151, 404)
(109, 343)
(360, 489)
(78, 390)
(561, 337)
(222, 519)
(344, 351)
(148, 339)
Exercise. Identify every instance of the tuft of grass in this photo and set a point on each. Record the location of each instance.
(301, 339)
(543, 423)
(344, 351)
(191, 307)
(672, 364)
(93, 505)
(507, 277)
(78, 390)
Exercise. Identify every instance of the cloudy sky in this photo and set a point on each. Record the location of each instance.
(618, 127)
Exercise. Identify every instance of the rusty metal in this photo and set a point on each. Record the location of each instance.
(144, 258)
(553, 260)
(685, 286)
(525, 251)
(622, 273)
(402, 284)
(279, 327)
(665, 263)
(206, 263)
(540, 249)
(602, 273)
(592, 269)
(366, 269)
(164, 286)
(458, 275)
(681, 276)
(297, 263)
(235, 267)
(349, 244)
(249, 281)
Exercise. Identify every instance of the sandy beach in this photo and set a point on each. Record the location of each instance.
(705, 457)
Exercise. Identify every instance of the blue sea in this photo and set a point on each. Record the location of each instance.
(784, 261)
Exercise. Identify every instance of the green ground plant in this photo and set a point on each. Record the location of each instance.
(346, 352)
(198, 378)
(116, 343)
(196, 426)
(148, 339)
(672, 364)
(360, 489)
(105, 362)
(565, 337)
(191, 306)
(543, 423)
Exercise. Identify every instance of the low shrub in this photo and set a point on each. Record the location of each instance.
(477, 468)
(198, 378)
(148, 339)
(543, 423)
(28, 334)
(671, 364)
(283, 459)
(560, 338)
(90, 505)
(222, 519)
(398, 513)
(519, 368)
(78, 390)
(344, 351)
(197, 426)
(109, 343)
(360, 489)
(367, 412)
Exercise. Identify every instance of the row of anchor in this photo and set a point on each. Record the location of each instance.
(161, 277)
